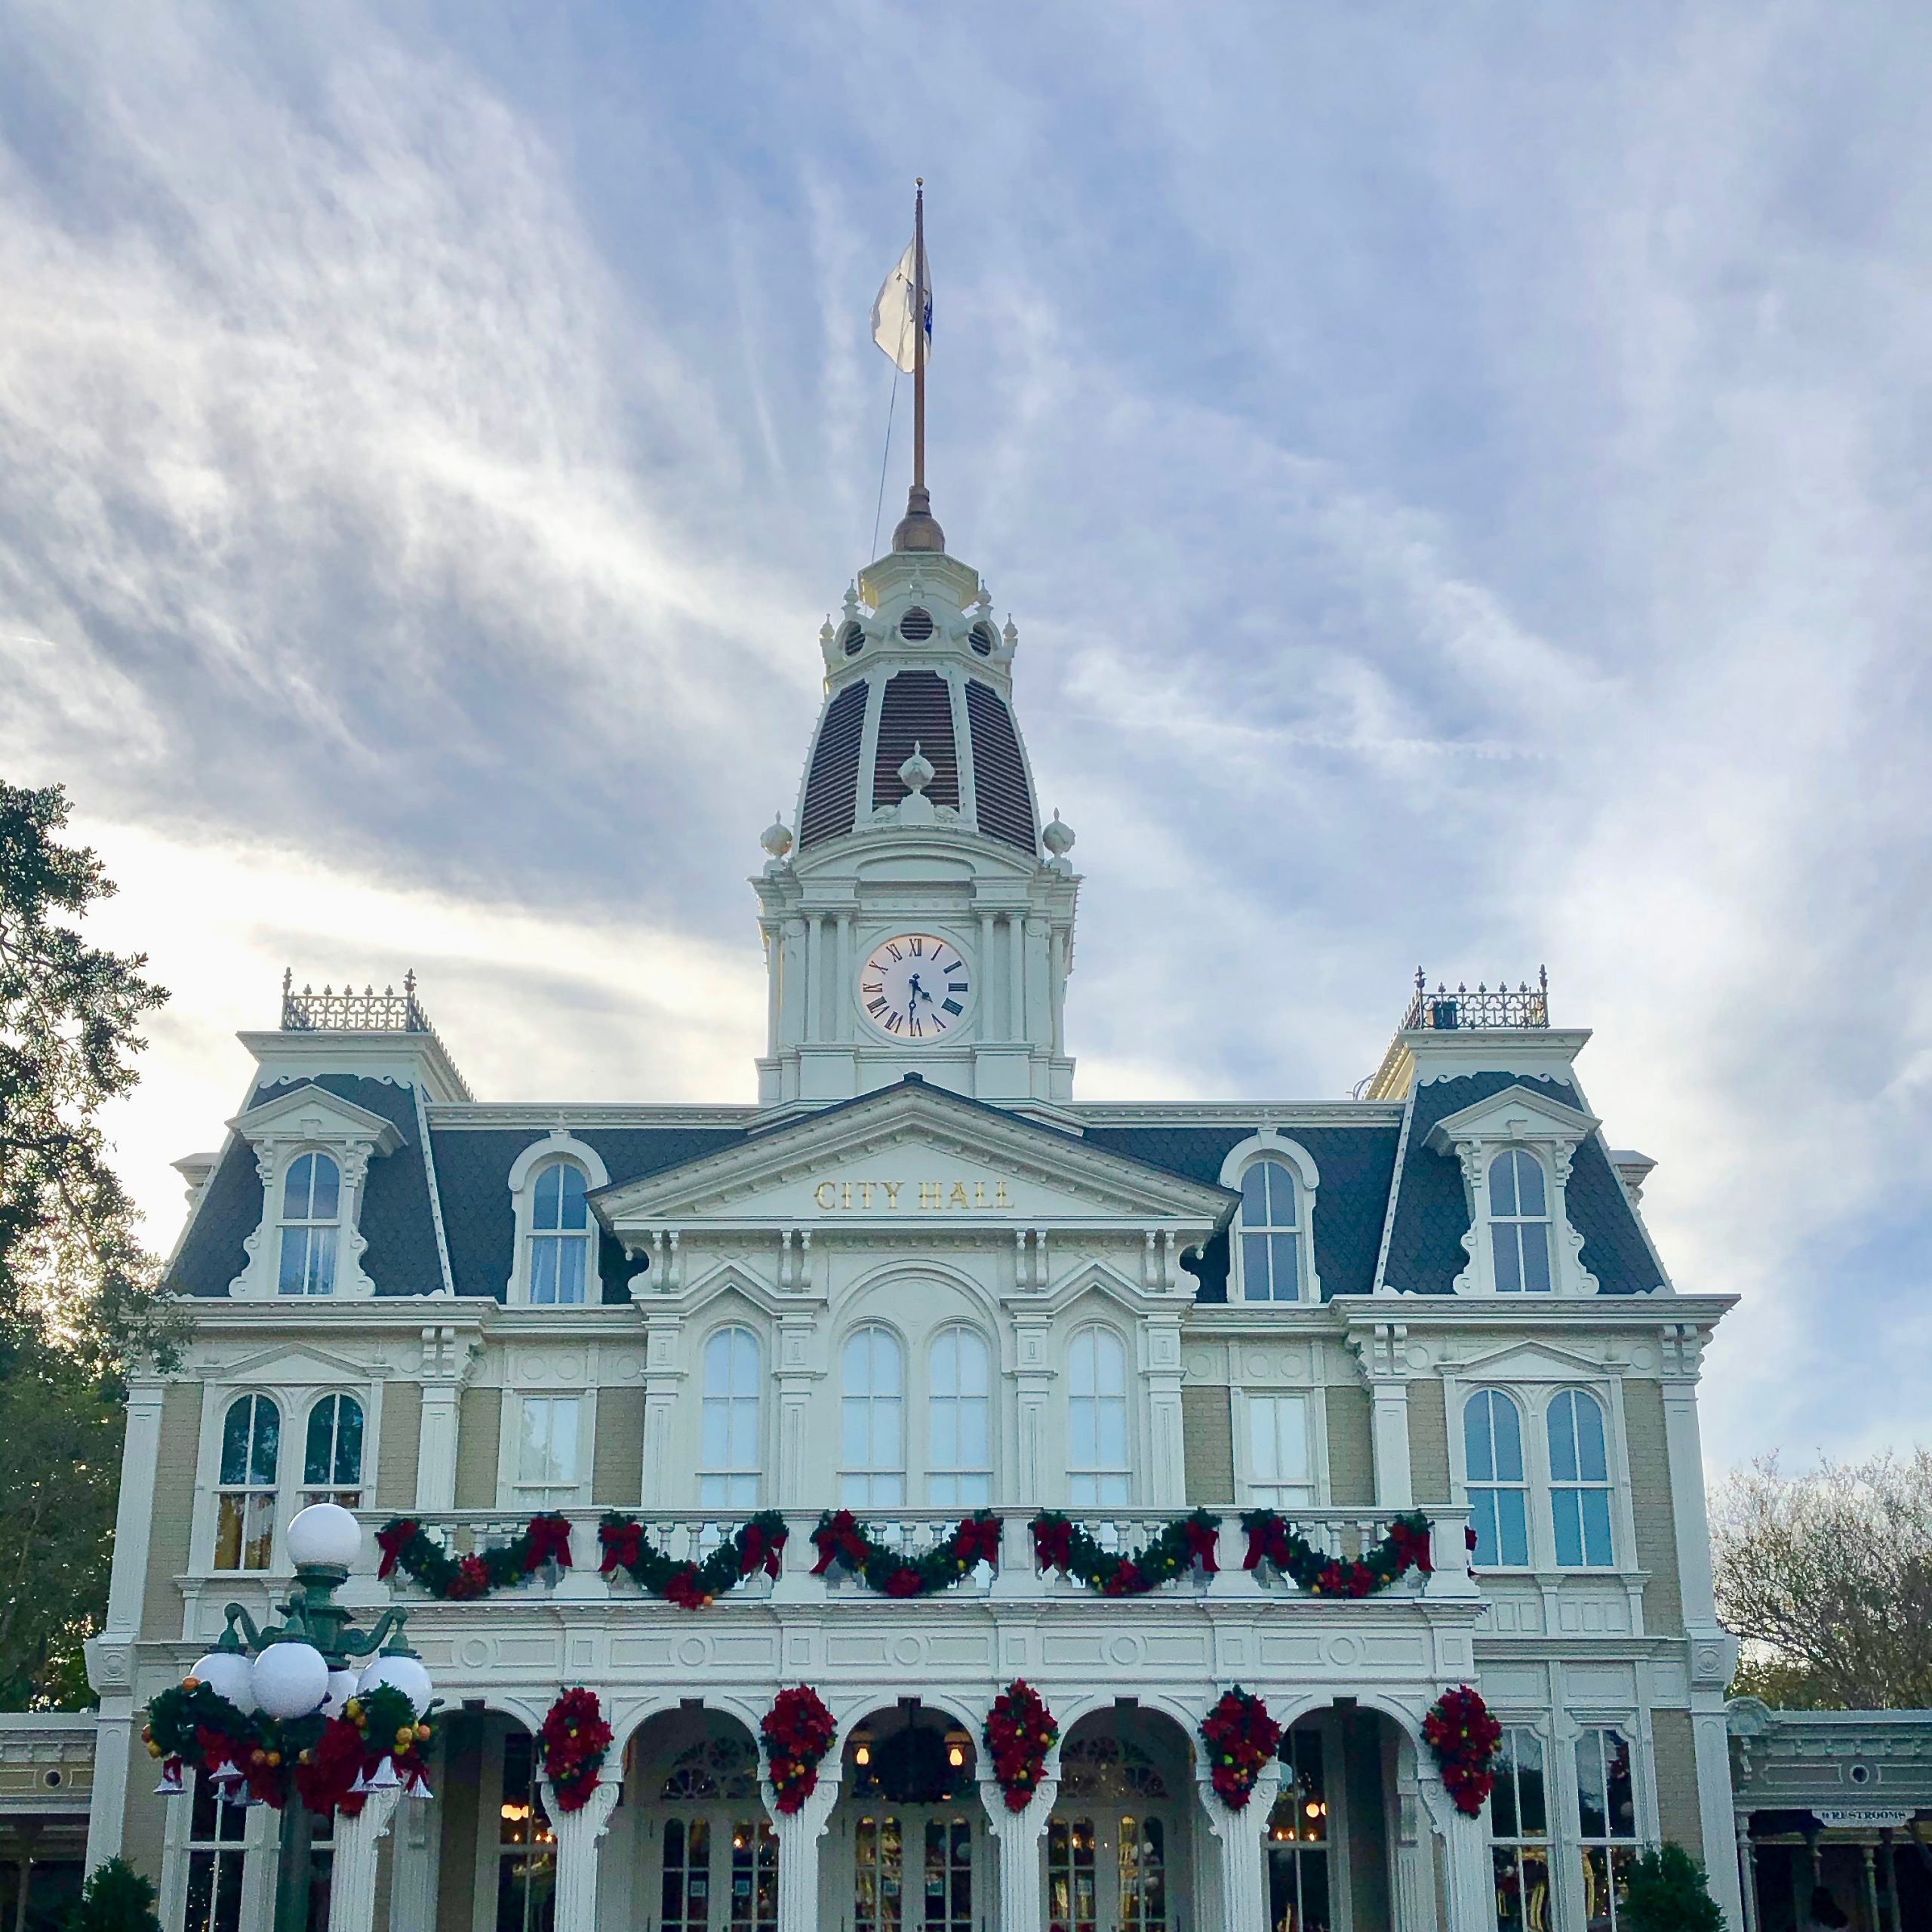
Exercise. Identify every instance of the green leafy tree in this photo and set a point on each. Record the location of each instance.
(1827, 1579)
(116, 1898)
(78, 1294)
(1667, 1892)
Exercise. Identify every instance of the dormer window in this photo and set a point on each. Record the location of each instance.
(1270, 1264)
(1519, 1222)
(559, 1236)
(311, 1223)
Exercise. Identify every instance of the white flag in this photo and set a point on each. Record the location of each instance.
(892, 313)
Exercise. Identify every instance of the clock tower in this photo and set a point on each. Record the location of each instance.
(917, 916)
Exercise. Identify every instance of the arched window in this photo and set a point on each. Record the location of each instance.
(560, 1235)
(332, 1456)
(959, 1463)
(1493, 1457)
(728, 1459)
(1519, 1222)
(1580, 1480)
(875, 1438)
(311, 1219)
(1270, 1232)
(1097, 1467)
(244, 1507)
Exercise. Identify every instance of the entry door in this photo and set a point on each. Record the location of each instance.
(1108, 1872)
(913, 1868)
(719, 1872)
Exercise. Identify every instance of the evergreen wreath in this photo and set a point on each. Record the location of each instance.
(406, 1546)
(1464, 1737)
(797, 1731)
(382, 1724)
(1274, 1543)
(842, 1541)
(754, 1546)
(572, 1740)
(1242, 1740)
(1019, 1732)
(1186, 1544)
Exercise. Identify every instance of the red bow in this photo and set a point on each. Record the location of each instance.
(1052, 1542)
(624, 1545)
(839, 1540)
(1409, 1546)
(547, 1540)
(978, 1541)
(759, 1551)
(1201, 1539)
(393, 1539)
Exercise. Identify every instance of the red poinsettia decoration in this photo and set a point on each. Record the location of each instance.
(1019, 1732)
(798, 1730)
(1242, 1740)
(1464, 1737)
(573, 1740)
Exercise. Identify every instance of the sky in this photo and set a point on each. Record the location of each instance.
(1459, 476)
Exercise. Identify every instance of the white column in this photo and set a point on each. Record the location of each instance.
(580, 1834)
(435, 1449)
(108, 1808)
(1469, 1884)
(1239, 1835)
(416, 1854)
(1022, 1888)
(352, 1868)
(798, 1838)
(1166, 1470)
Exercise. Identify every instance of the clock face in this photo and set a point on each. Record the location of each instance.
(914, 986)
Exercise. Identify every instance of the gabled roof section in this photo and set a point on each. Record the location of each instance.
(297, 1107)
(910, 1132)
(1517, 1101)
(1422, 1250)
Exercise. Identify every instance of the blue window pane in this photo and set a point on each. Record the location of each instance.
(1254, 1196)
(572, 1212)
(1508, 1261)
(1287, 1269)
(570, 1268)
(1478, 1447)
(235, 1433)
(1529, 1184)
(1513, 1528)
(295, 1189)
(322, 1196)
(1254, 1283)
(1503, 1184)
(1281, 1195)
(1593, 1459)
(293, 1279)
(1566, 1506)
(1595, 1503)
(1563, 1438)
(1482, 1520)
(1536, 1257)
(550, 1189)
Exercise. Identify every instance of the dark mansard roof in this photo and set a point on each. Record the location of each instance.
(1378, 1177)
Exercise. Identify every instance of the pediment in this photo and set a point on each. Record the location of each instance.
(1517, 1361)
(1517, 1113)
(313, 1112)
(293, 1363)
(913, 1154)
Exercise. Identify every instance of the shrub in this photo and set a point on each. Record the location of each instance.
(116, 1898)
(1668, 1893)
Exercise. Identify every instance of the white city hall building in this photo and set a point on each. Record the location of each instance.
(921, 1276)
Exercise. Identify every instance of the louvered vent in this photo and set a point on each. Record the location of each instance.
(916, 625)
(833, 784)
(982, 639)
(917, 710)
(853, 637)
(999, 773)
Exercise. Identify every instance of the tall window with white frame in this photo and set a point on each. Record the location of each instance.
(728, 1464)
(1580, 1480)
(311, 1221)
(245, 1492)
(1098, 1471)
(959, 1463)
(549, 1451)
(1519, 1222)
(1605, 1823)
(332, 1455)
(1279, 1467)
(1519, 1833)
(215, 1861)
(1270, 1232)
(560, 1236)
(1493, 1465)
(872, 1415)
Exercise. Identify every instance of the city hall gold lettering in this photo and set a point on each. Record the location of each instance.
(924, 1197)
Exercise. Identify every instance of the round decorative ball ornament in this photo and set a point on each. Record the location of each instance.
(291, 1680)
(342, 1687)
(228, 1674)
(404, 1674)
(326, 1533)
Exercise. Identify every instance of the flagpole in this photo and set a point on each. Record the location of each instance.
(919, 333)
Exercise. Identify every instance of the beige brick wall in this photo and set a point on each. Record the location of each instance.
(173, 1515)
(617, 1465)
(1350, 1447)
(1650, 1506)
(402, 1435)
(1207, 1439)
(1678, 1815)
(479, 1427)
(1429, 1441)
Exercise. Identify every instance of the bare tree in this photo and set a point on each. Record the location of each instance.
(1827, 1579)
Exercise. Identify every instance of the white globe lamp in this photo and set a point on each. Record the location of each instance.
(325, 1534)
(405, 1673)
(228, 1674)
(291, 1680)
(342, 1687)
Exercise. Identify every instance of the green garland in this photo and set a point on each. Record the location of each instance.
(842, 1539)
(1274, 1542)
(406, 1546)
(1177, 1548)
(754, 1546)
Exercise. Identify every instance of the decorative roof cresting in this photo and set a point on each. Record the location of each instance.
(348, 1012)
(1442, 1012)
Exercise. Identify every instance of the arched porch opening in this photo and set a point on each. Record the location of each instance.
(908, 1845)
(691, 1847)
(495, 1843)
(1123, 1838)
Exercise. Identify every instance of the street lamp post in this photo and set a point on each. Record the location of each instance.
(300, 1672)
